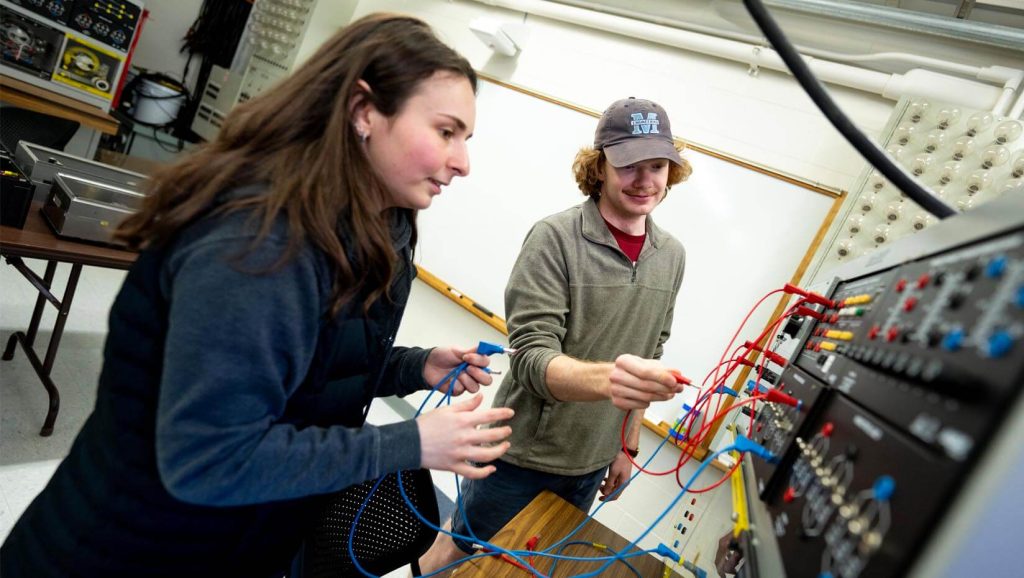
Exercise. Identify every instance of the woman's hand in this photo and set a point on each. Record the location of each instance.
(442, 360)
(452, 439)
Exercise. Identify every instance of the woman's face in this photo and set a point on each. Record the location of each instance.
(423, 147)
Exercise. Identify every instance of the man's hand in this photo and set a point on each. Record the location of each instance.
(636, 382)
(618, 477)
(442, 360)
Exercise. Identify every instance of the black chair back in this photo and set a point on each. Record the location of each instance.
(388, 536)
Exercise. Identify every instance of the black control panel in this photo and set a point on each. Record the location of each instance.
(777, 425)
(30, 46)
(112, 22)
(55, 10)
(933, 346)
(858, 497)
(109, 21)
(903, 383)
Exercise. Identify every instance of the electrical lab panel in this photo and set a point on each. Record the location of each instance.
(29, 45)
(53, 10)
(859, 496)
(76, 48)
(777, 425)
(219, 95)
(278, 36)
(929, 345)
(110, 21)
(88, 67)
(904, 381)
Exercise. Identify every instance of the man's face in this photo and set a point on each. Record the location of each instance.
(630, 193)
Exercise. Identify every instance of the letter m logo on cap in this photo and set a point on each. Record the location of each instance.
(643, 125)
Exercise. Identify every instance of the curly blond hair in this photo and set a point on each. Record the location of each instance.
(588, 163)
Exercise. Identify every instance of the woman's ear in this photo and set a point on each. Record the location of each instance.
(360, 109)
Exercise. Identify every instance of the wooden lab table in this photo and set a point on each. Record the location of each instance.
(551, 518)
(37, 241)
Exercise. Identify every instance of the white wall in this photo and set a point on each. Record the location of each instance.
(161, 39)
(764, 118)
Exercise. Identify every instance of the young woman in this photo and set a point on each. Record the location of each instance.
(258, 323)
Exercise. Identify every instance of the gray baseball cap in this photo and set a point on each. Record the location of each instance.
(632, 130)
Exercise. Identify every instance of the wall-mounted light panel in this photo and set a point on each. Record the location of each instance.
(967, 157)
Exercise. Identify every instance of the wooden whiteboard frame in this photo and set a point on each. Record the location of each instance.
(498, 323)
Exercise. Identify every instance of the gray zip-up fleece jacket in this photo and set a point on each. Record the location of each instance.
(574, 292)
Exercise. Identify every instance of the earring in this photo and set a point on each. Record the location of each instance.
(362, 136)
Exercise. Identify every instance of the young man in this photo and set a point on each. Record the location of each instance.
(590, 303)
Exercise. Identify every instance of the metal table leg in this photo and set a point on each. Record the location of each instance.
(27, 340)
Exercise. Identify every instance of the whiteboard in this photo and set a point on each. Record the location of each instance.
(745, 232)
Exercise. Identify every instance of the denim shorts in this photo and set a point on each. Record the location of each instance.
(490, 503)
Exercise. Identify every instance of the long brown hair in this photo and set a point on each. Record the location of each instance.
(298, 138)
